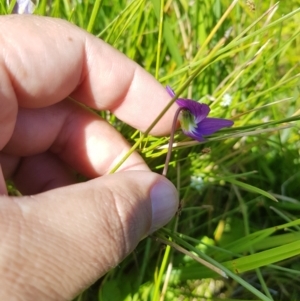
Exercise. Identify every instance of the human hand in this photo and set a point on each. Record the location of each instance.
(60, 237)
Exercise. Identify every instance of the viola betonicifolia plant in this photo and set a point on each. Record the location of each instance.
(194, 122)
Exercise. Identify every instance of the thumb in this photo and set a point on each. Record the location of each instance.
(62, 240)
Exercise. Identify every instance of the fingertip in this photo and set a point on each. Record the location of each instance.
(164, 201)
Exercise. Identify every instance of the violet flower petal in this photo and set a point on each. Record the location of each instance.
(195, 134)
(199, 110)
(170, 91)
(194, 121)
(211, 125)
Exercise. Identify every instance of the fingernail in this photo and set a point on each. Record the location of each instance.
(164, 198)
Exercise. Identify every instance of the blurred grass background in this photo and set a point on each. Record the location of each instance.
(242, 59)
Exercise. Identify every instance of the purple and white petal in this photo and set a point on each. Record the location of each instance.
(198, 110)
(194, 135)
(23, 7)
(211, 125)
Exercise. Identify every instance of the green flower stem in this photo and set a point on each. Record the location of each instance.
(97, 5)
(161, 19)
(173, 129)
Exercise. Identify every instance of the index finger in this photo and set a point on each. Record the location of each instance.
(72, 62)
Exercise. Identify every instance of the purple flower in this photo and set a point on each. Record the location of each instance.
(23, 7)
(193, 118)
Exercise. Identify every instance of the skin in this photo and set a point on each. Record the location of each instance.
(61, 236)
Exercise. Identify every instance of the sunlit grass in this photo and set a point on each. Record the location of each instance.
(242, 59)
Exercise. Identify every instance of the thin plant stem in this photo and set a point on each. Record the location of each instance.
(161, 273)
(216, 269)
(95, 11)
(173, 129)
(215, 29)
(161, 18)
(143, 135)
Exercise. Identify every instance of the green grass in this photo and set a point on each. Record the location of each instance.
(240, 190)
